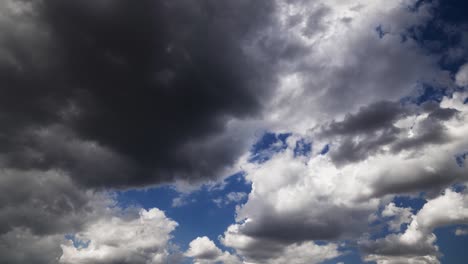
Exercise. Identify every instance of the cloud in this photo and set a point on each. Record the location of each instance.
(235, 196)
(44, 202)
(141, 238)
(40, 208)
(403, 260)
(462, 76)
(182, 200)
(344, 65)
(284, 191)
(413, 140)
(306, 252)
(170, 77)
(204, 251)
(366, 132)
(37, 208)
(105, 95)
(258, 250)
(417, 243)
(188, 89)
(398, 215)
(232, 197)
(295, 199)
(461, 232)
(19, 245)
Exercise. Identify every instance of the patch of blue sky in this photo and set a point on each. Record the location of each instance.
(77, 243)
(458, 187)
(466, 101)
(160, 197)
(424, 93)
(451, 246)
(302, 148)
(380, 31)
(415, 202)
(269, 144)
(461, 158)
(325, 149)
(439, 35)
(199, 215)
(414, 7)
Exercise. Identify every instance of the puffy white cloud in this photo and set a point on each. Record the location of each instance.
(331, 60)
(449, 208)
(297, 199)
(399, 216)
(417, 243)
(39, 208)
(140, 238)
(204, 251)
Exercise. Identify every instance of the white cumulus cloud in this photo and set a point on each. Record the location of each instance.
(140, 238)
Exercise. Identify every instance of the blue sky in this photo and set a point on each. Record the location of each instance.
(198, 215)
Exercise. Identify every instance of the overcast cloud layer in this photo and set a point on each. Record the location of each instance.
(98, 96)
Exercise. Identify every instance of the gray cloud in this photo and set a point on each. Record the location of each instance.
(373, 130)
(42, 202)
(153, 83)
(259, 250)
(368, 119)
(328, 223)
(21, 246)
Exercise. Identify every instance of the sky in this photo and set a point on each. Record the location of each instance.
(233, 132)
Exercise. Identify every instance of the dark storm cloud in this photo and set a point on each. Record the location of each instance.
(115, 94)
(153, 83)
